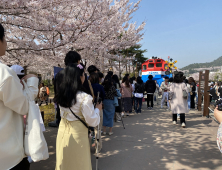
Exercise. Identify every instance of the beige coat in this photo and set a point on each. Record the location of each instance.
(13, 105)
(178, 103)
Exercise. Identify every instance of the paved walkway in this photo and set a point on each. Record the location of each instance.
(151, 142)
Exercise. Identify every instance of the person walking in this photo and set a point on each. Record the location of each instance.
(77, 113)
(150, 88)
(165, 86)
(126, 91)
(192, 93)
(179, 104)
(139, 91)
(109, 107)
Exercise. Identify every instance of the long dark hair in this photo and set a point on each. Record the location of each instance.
(139, 80)
(2, 32)
(178, 78)
(94, 78)
(126, 81)
(107, 84)
(190, 80)
(116, 79)
(67, 86)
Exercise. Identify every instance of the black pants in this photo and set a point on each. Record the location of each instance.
(182, 118)
(23, 165)
(192, 103)
(149, 98)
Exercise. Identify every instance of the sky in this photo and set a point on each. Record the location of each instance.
(189, 31)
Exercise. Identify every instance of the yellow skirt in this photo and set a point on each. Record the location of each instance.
(72, 146)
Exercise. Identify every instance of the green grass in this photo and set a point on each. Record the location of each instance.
(49, 113)
(51, 91)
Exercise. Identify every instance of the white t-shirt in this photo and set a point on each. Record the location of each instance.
(139, 95)
(133, 86)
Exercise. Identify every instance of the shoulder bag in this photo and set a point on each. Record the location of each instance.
(185, 95)
(83, 122)
(35, 144)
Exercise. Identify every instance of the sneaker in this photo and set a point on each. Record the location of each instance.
(174, 122)
(183, 125)
(151, 108)
(168, 109)
(104, 133)
(110, 133)
(118, 121)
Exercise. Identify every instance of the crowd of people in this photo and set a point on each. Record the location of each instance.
(87, 106)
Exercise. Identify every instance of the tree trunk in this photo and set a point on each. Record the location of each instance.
(137, 71)
(126, 68)
(119, 71)
(129, 68)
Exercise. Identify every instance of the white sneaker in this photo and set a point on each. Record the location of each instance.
(110, 133)
(104, 133)
(183, 125)
(174, 122)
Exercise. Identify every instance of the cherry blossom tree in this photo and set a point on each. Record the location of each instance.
(40, 32)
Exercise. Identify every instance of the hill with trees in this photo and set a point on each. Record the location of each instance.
(215, 63)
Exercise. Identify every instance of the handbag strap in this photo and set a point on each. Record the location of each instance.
(79, 118)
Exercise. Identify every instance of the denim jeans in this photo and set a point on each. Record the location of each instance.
(188, 100)
(197, 98)
(138, 100)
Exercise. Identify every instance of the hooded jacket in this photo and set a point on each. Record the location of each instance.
(13, 105)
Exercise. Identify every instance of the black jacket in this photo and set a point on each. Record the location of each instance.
(194, 87)
(150, 86)
(139, 88)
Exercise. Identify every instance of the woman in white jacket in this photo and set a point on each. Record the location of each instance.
(77, 112)
(178, 102)
(13, 105)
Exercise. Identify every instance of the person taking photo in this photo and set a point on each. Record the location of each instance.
(77, 113)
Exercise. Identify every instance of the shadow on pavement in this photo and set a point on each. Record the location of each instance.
(151, 142)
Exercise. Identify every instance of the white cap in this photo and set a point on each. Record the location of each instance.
(18, 69)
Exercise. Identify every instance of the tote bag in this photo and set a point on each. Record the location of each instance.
(34, 142)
